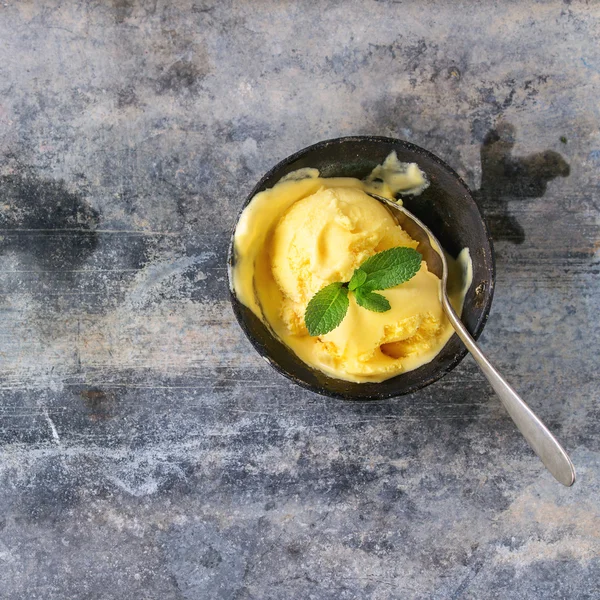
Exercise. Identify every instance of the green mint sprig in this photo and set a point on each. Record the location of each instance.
(387, 269)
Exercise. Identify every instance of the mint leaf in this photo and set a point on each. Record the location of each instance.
(358, 278)
(371, 300)
(326, 309)
(390, 268)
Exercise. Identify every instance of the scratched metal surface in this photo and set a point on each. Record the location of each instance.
(146, 452)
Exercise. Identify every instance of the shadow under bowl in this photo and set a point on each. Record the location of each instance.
(446, 207)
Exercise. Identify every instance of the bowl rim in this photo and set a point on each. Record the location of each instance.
(236, 304)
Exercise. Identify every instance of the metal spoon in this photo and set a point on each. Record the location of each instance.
(544, 444)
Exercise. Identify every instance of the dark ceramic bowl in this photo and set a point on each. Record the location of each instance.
(446, 206)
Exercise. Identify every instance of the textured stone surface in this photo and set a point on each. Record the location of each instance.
(147, 452)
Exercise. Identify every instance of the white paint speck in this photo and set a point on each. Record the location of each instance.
(53, 429)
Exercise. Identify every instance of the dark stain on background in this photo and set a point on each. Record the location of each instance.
(179, 77)
(126, 96)
(100, 404)
(123, 9)
(41, 217)
(506, 178)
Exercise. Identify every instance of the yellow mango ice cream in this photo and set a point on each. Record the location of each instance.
(307, 232)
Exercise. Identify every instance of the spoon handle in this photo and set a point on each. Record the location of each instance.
(534, 431)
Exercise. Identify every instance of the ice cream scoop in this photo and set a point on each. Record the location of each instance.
(544, 444)
(304, 234)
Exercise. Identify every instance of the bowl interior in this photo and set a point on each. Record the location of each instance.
(446, 206)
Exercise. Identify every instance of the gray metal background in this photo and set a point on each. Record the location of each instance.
(146, 451)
